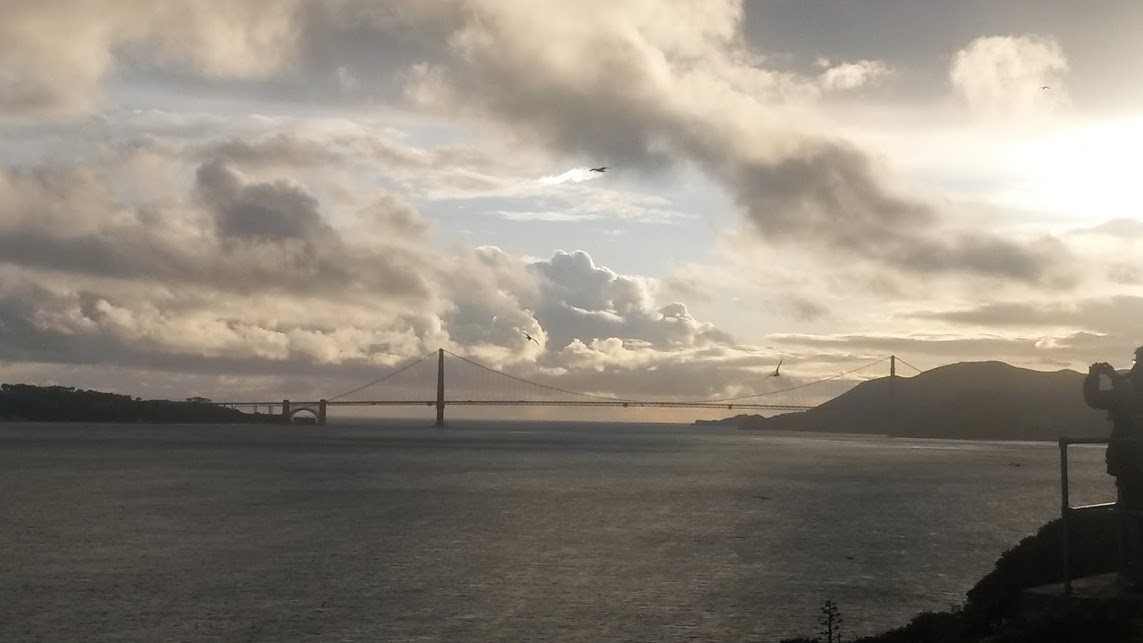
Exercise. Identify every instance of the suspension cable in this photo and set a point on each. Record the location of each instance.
(618, 399)
(381, 379)
(909, 365)
(544, 386)
(792, 388)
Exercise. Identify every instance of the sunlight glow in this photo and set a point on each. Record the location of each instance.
(1089, 172)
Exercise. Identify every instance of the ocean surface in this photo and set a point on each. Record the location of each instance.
(506, 531)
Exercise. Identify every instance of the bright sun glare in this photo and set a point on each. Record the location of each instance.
(1089, 172)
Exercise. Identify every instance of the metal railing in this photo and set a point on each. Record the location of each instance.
(1067, 511)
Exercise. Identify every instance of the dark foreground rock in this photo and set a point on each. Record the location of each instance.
(992, 609)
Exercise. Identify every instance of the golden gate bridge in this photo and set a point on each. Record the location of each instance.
(485, 386)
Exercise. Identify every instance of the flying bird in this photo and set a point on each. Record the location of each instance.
(531, 338)
(779, 366)
(1044, 87)
(601, 169)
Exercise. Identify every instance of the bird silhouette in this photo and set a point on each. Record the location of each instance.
(1044, 87)
(779, 366)
(601, 169)
(530, 338)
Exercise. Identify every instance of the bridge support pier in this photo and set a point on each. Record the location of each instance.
(321, 411)
(440, 423)
(286, 411)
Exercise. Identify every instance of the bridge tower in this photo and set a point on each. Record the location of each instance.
(321, 411)
(440, 423)
(286, 411)
(893, 394)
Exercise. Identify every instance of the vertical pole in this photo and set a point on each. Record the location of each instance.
(321, 411)
(893, 395)
(1065, 515)
(440, 390)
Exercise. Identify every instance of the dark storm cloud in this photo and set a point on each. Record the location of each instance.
(277, 210)
(981, 254)
(832, 194)
(251, 236)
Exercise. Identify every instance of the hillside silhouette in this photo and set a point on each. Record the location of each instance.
(968, 400)
(25, 402)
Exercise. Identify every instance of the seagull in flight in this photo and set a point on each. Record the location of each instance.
(779, 366)
(1044, 87)
(530, 338)
(601, 169)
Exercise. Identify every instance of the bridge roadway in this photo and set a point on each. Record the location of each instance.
(596, 403)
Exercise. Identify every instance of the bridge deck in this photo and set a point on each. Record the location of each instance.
(593, 403)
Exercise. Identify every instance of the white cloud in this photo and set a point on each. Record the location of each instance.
(548, 216)
(55, 56)
(846, 76)
(574, 175)
(1006, 75)
(621, 84)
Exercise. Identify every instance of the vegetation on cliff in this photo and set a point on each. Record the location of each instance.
(991, 611)
(25, 402)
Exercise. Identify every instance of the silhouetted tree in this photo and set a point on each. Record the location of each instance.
(830, 621)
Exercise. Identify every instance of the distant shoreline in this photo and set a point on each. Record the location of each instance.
(29, 403)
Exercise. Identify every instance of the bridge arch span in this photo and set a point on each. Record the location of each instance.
(291, 410)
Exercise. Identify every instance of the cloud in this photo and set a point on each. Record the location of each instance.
(278, 210)
(246, 274)
(574, 175)
(583, 301)
(284, 242)
(1005, 75)
(246, 236)
(549, 216)
(632, 84)
(1062, 331)
(54, 57)
(848, 76)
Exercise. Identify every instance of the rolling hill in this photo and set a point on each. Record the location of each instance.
(968, 400)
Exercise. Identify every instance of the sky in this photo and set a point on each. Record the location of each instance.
(285, 199)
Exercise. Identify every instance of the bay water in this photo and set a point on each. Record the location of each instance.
(502, 531)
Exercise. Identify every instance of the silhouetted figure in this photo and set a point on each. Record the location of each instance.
(1124, 405)
(601, 169)
(531, 339)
